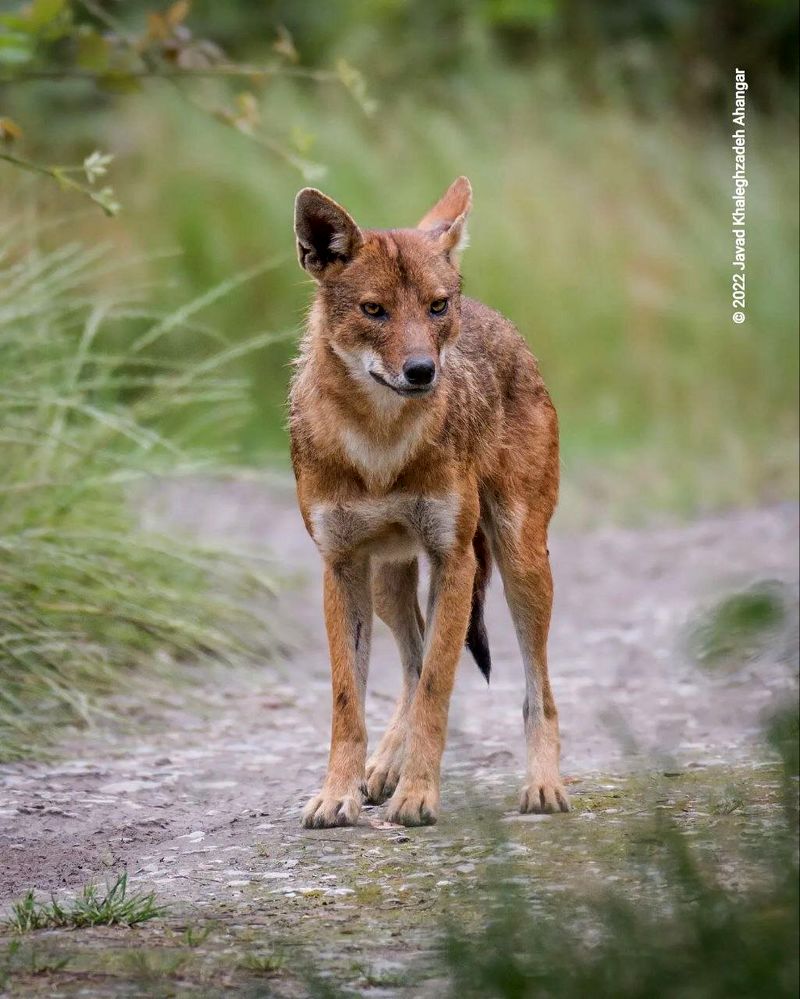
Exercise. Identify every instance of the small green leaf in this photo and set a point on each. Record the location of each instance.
(93, 50)
(353, 80)
(14, 22)
(42, 12)
(118, 81)
(108, 201)
(15, 49)
(284, 45)
(302, 140)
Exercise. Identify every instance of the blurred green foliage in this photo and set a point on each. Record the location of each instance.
(692, 929)
(651, 52)
(741, 625)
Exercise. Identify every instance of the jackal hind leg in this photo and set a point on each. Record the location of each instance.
(520, 547)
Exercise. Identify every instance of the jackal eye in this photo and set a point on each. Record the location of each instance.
(373, 309)
(439, 306)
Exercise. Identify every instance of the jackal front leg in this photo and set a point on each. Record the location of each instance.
(348, 620)
(416, 798)
(394, 593)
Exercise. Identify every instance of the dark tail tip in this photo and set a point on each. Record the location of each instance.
(477, 639)
(478, 643)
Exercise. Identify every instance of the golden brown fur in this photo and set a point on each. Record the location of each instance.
(388, 470)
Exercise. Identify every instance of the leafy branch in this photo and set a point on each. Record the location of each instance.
(56, 40)
(62, 175)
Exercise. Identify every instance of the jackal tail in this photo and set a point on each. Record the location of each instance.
(477, 639)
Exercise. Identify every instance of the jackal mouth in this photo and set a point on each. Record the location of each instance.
(408, 391)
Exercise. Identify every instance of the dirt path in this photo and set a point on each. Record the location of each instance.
(206, 807)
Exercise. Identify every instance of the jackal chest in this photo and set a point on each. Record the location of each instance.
(393, 528)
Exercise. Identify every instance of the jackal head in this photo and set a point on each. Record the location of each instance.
(389, 299)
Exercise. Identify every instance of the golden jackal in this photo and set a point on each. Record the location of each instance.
(420, 425)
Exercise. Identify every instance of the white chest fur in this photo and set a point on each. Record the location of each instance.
(379, 462)
(392, 527)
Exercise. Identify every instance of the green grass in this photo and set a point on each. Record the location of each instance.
(602, 233)
(115, 907)
(89, 598)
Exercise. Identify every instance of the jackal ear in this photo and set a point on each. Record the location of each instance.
(447, 220)
(326, 235)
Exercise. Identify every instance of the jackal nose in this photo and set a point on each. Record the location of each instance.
(419, 370)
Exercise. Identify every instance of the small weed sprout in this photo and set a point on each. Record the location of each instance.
(262, 964)
(195, 936)
(114, 908)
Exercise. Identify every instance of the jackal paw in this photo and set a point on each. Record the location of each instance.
(326, 810)
(414, 803)
(383, 774)
(543, 796)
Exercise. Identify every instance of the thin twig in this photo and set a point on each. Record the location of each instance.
(168, 73)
